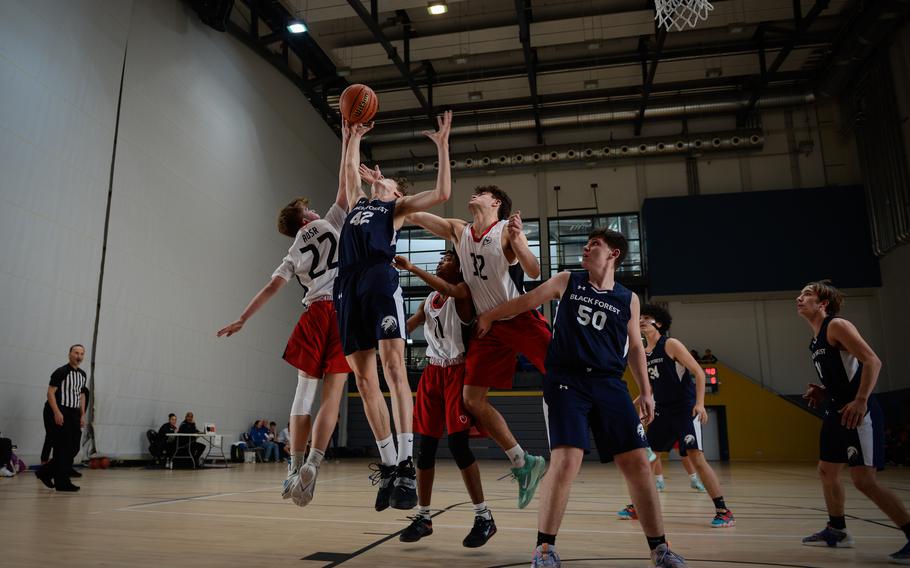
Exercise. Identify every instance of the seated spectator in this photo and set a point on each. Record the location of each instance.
(188, 426)
(274, 436)
(695, 354)
(259, 435)
(284, 442)
(169, 427)
(6, 456)
(708, 357)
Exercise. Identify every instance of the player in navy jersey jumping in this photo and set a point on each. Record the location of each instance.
(853, 427)
(314, 347)
(445, 315)
(678, 384)
(595, 331)
(371, 308)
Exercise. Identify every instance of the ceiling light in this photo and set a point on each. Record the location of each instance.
(343, 71)
(713, 72)
(736, 27)
(591, 84)
(459, 59)
(437, 7)
(475, 96)
(296, 27)
(594, 45)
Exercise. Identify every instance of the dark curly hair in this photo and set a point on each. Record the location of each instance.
(661, 316)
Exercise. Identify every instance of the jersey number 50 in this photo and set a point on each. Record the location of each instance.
(587, 316)
(331, 261)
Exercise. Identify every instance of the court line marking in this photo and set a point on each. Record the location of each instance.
(714, 534)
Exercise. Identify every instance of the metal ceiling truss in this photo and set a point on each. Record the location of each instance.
(525, 16)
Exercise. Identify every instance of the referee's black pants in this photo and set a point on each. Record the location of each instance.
(65, 441)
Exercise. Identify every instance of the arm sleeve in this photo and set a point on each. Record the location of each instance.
(285, 270)
(335, 216)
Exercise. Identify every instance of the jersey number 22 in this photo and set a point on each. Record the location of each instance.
(331, 261)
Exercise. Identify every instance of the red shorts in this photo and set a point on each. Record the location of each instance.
(315, 345)
(491, 358)
(440, 402)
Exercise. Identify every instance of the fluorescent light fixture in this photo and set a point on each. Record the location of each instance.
(713, 72)
(594, 45)
(459, 59)
(296, 27)
(591, 84)
(343, 71)
(736, 27)
(437, 7)
(475, 96)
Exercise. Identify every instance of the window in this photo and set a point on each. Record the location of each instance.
(568, 236)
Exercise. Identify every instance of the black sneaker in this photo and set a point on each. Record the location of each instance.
(404, 496)
(74, 473)
(420, 527)
(482, 531)
(67, 487)
(384, 477)
(46, 479)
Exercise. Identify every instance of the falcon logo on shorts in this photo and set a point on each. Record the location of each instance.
(690, 441)
(851, 454)
(389, 324)
(463, 419)
(641, 432)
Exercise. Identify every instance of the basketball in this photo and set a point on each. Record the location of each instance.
(104, 463)
(94, 463)
(358, 104)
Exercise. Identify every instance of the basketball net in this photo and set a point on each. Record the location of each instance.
(680, 14)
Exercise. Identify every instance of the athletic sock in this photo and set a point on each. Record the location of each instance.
(839, 523)
(906, 529)
(516, 456)
(655, 541)
(544, 538)
(296, 461)
(481, 510)
(315, 458)
(694, 477)
(659, 478)
(387, 451)
(719, 503)
(405, 446)
(424, 512)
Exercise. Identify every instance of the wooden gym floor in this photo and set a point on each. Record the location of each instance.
(236, 517)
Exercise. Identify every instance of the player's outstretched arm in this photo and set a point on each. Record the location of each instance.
(678, 352)
(518, 243)
(416, 320)
(341, 197)
(459, 291)
(448, 229)
(259, 300)
(552, 289)
(844, 334)
(443, 190)
(353, 191)
(638, 364)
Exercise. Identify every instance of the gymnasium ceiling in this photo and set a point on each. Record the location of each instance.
(490, 59)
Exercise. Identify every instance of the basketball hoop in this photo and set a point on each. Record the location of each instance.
(681, 14)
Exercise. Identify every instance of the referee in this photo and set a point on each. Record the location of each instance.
(64, 417)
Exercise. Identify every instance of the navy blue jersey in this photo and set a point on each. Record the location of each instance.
(590, 331)
(838, 370)
(368, 235)
(672, 384)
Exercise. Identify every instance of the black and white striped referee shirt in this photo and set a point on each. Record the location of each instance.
(69, 382)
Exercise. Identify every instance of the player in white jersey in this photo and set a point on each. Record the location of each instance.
(314, 347)
(494, 251)
(444, 314)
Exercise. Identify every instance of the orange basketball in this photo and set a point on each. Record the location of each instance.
(358, 104)
(105, 463)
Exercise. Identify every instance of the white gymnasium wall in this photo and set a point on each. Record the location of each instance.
(59, 76)
(212, 142)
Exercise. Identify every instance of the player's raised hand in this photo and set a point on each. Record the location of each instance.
(230, 329)
(814, 395)
(515, 225)
(361, 128)
(444, 127)
(852, 414)
(402, 263)
(484, 323)
(370, 175)
(698, 411)
(646, 408)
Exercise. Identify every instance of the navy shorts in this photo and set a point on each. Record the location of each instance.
(863, 446)
(370, 307)
(577, 402)
(670, 427)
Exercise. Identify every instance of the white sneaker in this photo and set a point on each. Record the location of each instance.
(304, 487)
(289, 483)
(6, 473)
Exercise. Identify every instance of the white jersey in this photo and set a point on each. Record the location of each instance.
(313, 258)
(442, 328)
(485, 267)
